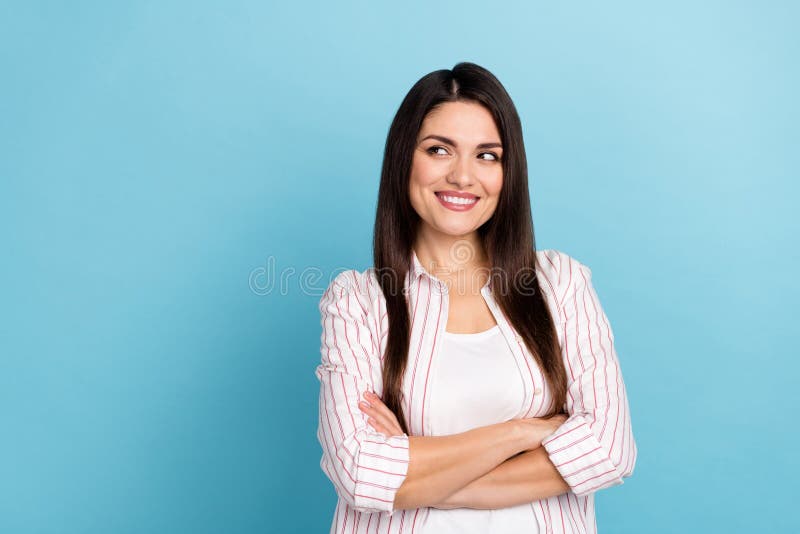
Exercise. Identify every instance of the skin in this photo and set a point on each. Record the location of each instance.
(522, 478)
(439, 165)
(489, 467)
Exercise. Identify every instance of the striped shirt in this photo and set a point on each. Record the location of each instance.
(593, 449)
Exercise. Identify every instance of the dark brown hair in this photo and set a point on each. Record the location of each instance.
(507, 236)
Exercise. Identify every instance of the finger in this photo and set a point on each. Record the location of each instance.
(396, 431)
(390, 423)
(381, 418)
(374, 415)
(376, 425)
(381, 408)
(388, 431)
(383, 415)
(388, 427)
(373, 399)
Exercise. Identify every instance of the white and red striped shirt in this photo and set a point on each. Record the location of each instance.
(593, 449)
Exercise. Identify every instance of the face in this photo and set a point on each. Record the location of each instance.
(456, 173)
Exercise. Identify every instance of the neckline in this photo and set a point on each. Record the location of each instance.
(473, 335)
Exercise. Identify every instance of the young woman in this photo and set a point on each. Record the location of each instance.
(469, 383)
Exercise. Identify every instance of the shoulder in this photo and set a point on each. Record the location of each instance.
(350, 287)
(562, 272)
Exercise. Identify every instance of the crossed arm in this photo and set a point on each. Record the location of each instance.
(527, 477)
(490, 467)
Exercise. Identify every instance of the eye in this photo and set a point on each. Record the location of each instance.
(433, 149)
(494, 156)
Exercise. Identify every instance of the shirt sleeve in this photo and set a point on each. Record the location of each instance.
(366, 467)
(594, 448)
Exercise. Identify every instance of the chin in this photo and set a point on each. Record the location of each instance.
(456, 231)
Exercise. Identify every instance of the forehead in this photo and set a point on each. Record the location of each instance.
(464, 121)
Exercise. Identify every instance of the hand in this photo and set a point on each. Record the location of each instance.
(380, 418)
(538, 428)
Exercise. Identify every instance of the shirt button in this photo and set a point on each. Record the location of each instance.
(519, 338)
(537, 390)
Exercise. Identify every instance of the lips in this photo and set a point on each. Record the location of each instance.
(459, 194)
(457, 200)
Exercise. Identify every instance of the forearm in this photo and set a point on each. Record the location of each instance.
(522, 479)
(440, 465)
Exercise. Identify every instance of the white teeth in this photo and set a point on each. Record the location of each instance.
(459, 200)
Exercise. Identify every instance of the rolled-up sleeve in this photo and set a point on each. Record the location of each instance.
(594, 448)
(366, 467)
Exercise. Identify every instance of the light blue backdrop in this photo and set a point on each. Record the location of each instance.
(156, 157)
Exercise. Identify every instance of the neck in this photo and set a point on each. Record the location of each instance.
(444, 255)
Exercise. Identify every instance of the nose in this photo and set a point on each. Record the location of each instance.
(461, 173)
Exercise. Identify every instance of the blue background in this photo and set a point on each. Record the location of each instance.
(160, 159)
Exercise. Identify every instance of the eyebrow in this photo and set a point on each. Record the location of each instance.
(453, 143)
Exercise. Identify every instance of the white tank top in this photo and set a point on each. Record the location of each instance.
(476, 382)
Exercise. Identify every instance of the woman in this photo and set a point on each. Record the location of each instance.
(446, 367)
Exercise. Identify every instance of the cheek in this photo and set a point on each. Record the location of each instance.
(420, 181)
(493, 185)
(416, 193)
(423, 174)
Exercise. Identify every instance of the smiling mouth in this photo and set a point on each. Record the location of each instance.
(457, 202)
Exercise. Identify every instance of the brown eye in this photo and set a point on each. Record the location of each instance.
(494, 156)
(432, 150)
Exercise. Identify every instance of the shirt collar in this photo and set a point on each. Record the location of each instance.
(418, 270)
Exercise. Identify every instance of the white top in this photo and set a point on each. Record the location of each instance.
(476, 382)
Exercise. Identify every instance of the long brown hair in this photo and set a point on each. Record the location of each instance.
(507, 237)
